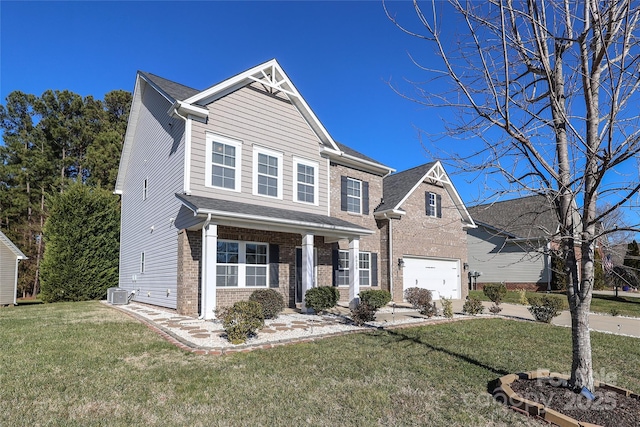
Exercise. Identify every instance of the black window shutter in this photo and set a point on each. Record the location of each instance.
(334, 259)
(365, 198)
(439, 205)
(274, 263)
(374, 269)
(343, 193)
(426, 202)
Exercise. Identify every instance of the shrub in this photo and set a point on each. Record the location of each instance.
(495, 309)
(447, 308)
(362, 313)
(495, 292)
(376, 298)
(522, 297)
(614, 311)
(422, 300)
(472, 306)
(271, 301)
(322, 298)
(545, 307)
(241, 320)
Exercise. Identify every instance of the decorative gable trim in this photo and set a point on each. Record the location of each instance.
(435, 175)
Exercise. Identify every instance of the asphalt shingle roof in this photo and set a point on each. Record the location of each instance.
(264, 212)
(350, 151)
(175, 90)
(398, 185)
(528, 217)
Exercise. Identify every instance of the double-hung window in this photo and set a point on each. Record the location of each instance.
(306, 181)
(433, 204)
(223, 162)
(354, 195)
(365, 269)
(267, 179)
(242, 264)
(364, 265)
(342, 278)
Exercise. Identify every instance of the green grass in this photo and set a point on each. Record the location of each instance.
(625, 306)
(86, 364)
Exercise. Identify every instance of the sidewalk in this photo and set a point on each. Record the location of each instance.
(629, 326)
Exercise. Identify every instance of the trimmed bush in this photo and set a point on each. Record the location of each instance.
(241, 320)
(271, 301)
(321, 298)
(376, 298)
(422, 300)
(495, 292)
(473, 306)
(362, 313)
(545, 307)
(447, 308)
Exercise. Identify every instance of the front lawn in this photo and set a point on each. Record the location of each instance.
(625, 306)
(84, 364)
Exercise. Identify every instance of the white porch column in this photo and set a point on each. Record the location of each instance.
(209, 256)
(307, 265)
(354, 272)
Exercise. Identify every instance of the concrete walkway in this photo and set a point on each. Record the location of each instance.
(619, 325)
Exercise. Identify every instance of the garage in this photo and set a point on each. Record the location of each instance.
(441, 277)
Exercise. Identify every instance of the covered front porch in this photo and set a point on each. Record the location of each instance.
(231, 249)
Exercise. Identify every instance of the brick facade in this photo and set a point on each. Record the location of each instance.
(189, 273)
(420, 235)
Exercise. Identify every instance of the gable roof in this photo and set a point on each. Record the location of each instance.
(189, 101)
(13, 248)
(530, 217)
(170, 89)
(398, 187)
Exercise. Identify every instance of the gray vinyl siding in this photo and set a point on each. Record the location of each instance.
(157, 154)
(259, 119)
(502, 261)
(7, 275)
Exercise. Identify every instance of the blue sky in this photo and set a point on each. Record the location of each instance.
(340, 55)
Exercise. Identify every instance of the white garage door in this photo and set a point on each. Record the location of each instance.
(441, 277)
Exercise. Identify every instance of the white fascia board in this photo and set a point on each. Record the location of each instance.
(129, 134)
(186, 109)
(389, 213)
(13, 248)
(349, 160)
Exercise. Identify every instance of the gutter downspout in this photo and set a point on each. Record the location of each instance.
(390, 256)
(15, 283)
(203, 257)
(187, 151)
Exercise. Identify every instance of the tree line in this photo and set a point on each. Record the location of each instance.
(54, 144)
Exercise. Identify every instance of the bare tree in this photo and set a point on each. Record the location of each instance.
(551, 89)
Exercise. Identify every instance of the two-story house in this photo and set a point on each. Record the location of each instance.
(240, 187)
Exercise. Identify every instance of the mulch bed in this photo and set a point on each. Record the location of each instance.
(609, 409)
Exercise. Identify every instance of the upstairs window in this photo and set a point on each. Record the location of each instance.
(433, 204)
(267, 166)
(354, 195)
(306, 181)
(223, 165)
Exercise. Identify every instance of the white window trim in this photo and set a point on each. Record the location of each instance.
(242, 265)
(298, 161)
(210, 139)
(365, 269)
(433, 213)
(259, 150)
(360, 197)
(341, 251)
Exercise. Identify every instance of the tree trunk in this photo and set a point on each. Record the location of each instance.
(581, 367)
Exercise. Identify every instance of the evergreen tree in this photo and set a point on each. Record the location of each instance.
(632, 259)
(82, 238)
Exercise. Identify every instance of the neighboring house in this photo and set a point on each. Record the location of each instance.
(512, 242)
(240, 187)
(10, 255)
